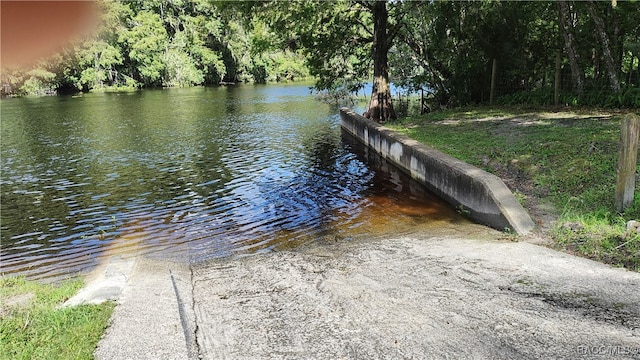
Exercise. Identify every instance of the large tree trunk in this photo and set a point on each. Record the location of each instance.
(381, 105)
(606, 47)
(566, 26)
(494, 70)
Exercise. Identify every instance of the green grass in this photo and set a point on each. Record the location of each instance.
(566, 159)
(38, 328)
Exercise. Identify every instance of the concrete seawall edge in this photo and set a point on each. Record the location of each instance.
(482, 196)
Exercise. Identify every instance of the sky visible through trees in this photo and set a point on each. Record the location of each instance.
(587, 53)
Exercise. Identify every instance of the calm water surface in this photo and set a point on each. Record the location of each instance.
(189, 174)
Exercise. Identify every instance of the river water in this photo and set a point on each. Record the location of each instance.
(189, 175)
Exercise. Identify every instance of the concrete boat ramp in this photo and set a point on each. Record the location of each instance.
(468, 294)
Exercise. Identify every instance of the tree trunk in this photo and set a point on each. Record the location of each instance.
(381, 105)
(494, 69)
(606, 47)
(574, 60)
(557, 79)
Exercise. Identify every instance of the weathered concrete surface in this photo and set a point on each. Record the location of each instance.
(154, 317)
(106, 283)
(483, 196)
(468, 295)
(110, 278)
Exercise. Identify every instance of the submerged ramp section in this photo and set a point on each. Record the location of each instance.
(482, 196)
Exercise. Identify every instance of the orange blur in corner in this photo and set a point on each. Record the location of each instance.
(31, 30)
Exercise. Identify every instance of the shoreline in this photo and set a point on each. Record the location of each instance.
(417, 295)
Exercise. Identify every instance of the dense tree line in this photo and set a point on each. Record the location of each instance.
(459, 52)
(152, 43)
(541, 52)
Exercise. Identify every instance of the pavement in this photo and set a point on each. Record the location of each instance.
(469, 294)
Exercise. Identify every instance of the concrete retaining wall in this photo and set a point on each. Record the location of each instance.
(482, 196)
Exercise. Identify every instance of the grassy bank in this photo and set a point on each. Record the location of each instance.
(560, 164)
(33, 326)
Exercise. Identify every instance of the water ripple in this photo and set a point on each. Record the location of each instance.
(187, 175)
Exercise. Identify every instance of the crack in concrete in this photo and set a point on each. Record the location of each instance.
(190, 336)
(196, 328)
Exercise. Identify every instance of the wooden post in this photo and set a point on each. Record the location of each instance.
(556, 90)
(629, 130)
(494, 69)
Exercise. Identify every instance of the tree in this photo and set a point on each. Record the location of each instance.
(332, 36)
(566, 26)
(381, 105)
(344, 42)
(99, 60)
(449, 48)
(606, 47)
(446, 48)
(148, 42)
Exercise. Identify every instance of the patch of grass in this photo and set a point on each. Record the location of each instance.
(599, 235)
(34, 326)
(567, 159)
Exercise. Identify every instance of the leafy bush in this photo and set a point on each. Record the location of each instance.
(629, 98)
(39, 82)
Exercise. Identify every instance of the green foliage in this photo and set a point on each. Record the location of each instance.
(444, 47)
(147, 41)
(629, 98)
(276, 67)
(568, 160)
(600, 235)
(453, 44)
(99, 60)
(159, 43)
(33, 326)
(333, 36)
(38, 82)
(181, 71)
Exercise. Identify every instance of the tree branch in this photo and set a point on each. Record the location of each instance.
(364, 26)
(366, 4)
(394, 29)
